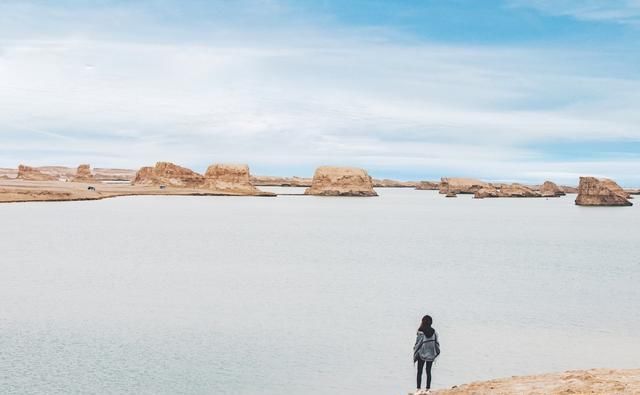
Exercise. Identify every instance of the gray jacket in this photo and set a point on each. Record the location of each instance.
(426, 348)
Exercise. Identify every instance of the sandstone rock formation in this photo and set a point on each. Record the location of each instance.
(341, 181)
(506, 190)
(600, 192)
(83, 174)
(230, 178)
(33, 174)
(593, 381)
(549, 189)
(168, 174)
(461, 185)
(428, 186)
(615, 187)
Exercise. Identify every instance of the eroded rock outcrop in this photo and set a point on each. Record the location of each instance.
(506, 191)
(600, 192)
(615, 187)
(461, 185)
(428, 186)
(33, 174)
(341, 181)
(550, 189)
(231, 179)
(83, 174)
(168, 174)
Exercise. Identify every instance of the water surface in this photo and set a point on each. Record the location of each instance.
(219, 295)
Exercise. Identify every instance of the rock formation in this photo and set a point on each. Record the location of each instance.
(600, 192)
(461, 185)
(593, 381)
(341, 181)
(428, 186)
(549, 189)
(230, 178)
(83, 174)
(506, 191)
(168, 174)
(615, 187)
(33, 174)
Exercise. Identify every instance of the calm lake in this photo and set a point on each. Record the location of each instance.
(310, 295)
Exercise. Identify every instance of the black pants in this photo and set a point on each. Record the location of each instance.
(421, 365)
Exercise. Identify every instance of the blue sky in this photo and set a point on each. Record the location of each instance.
(521, 90)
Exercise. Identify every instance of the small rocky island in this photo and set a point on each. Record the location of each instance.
(601, 192)
(341, 181)
(219, 178)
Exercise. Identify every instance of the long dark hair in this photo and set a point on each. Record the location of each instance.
(425, 326)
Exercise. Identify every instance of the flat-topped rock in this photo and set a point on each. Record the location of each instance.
(168, 174)
(32, 174)
(600, 192)
(83, 174)
(550, 189)
(506, 191)
(461, 185)
(341, 181)
(231, 178)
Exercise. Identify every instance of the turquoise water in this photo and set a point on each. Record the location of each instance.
(215, 295)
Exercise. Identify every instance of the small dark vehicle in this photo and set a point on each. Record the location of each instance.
(91, 188)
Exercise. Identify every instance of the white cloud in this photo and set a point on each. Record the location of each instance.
(334, 97)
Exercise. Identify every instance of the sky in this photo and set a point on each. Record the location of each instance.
(509, 90)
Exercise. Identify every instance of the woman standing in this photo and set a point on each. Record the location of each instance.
(426, 349)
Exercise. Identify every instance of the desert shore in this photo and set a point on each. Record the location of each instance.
(12, 191)
(593, 381)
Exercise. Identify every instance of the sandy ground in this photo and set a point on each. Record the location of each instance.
(594, 381)
(42, 191)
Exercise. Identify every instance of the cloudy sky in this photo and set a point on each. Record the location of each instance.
(503, 90)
